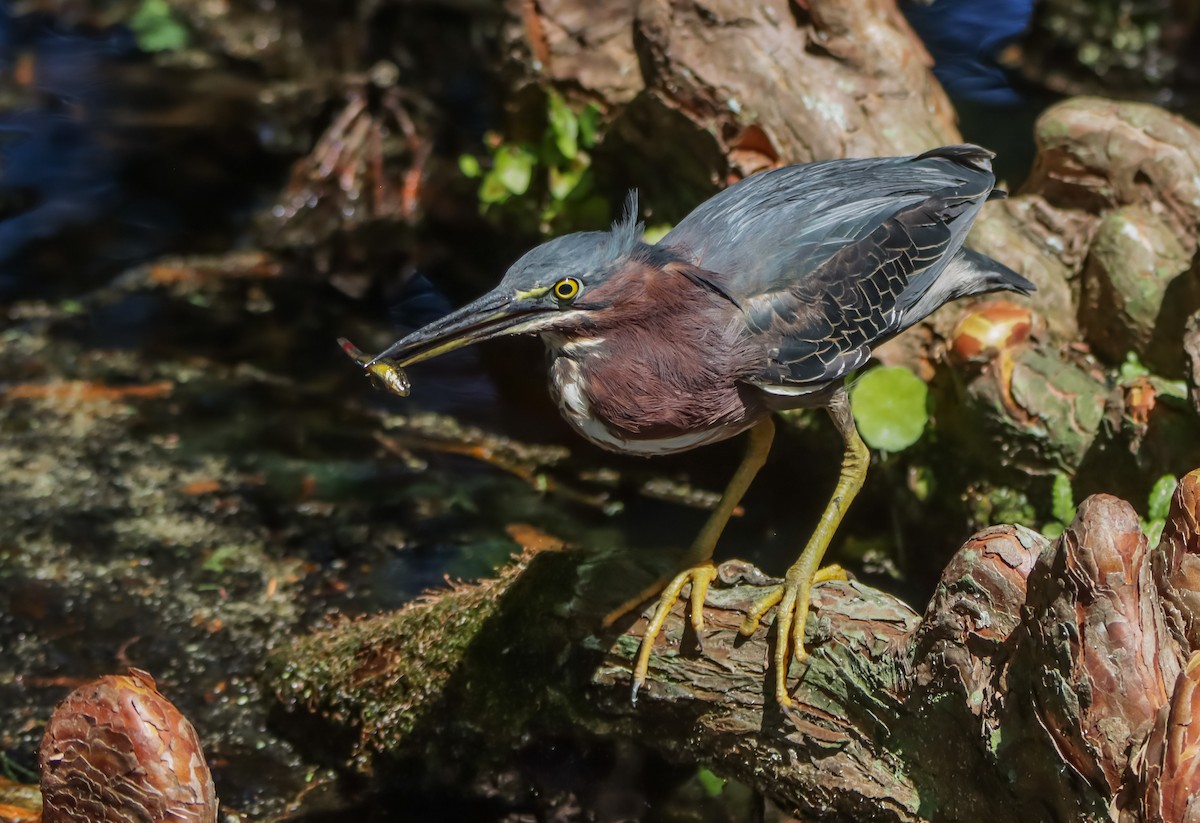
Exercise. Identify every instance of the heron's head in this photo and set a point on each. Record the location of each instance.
(561, 287)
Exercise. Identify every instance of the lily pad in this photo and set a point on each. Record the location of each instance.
(890, 408)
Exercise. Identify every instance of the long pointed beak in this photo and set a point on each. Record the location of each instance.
(493, 315)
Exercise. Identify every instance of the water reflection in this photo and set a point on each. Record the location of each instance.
(107, 160)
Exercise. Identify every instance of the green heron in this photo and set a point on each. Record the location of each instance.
(762, 299)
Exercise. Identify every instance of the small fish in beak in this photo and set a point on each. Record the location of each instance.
(385, 370)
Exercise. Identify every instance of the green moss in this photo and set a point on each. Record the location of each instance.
(381, 670)
(385, 676)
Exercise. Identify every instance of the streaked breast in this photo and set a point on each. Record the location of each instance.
(569, 388)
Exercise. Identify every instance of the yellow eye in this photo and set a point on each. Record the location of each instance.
(567, 288)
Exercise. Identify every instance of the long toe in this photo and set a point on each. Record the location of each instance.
(792, 600)
(699, 577)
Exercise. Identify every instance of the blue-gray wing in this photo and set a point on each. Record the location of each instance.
(828, 259)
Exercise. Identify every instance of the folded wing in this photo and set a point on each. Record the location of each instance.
(830, 259)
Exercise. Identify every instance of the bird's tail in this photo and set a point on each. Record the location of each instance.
(992, 275)
(967, 274)
(967, 154)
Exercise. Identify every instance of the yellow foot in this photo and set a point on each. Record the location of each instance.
(700, 576)
(792, 598)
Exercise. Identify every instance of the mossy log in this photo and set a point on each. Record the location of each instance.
(1045, 680)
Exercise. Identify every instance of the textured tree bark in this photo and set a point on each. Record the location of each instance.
(116, 751)
(1106, 226)
(695, 94)
(1044, 681)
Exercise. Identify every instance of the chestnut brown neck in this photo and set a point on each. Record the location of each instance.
(663, 356)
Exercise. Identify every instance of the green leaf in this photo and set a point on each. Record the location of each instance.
(1153, 530)
(514, 168)
(890, 408)
(221, 558)
(468, 164)
(565, 182)
(921, 482)
(564, 126)
(492, 189)
(589, 124)
(155, 27)
(1132, 368)
(1177, 389)
(1159, 503)
(1062, 499)
(1053, 530)
(1002, 504)
(713, 786)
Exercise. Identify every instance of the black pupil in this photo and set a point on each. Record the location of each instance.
(566, 288)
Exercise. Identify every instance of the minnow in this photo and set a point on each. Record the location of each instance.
(385, 370)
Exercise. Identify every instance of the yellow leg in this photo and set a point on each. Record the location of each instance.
(698, 567)
(793, 596)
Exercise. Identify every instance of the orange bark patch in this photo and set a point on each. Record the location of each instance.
(532, 538)
(87, 391)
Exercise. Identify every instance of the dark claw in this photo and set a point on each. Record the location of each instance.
(633, 693)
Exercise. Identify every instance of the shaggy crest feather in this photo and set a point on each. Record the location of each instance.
(626, 232)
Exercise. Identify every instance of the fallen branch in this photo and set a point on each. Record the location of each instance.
(1045, 680)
